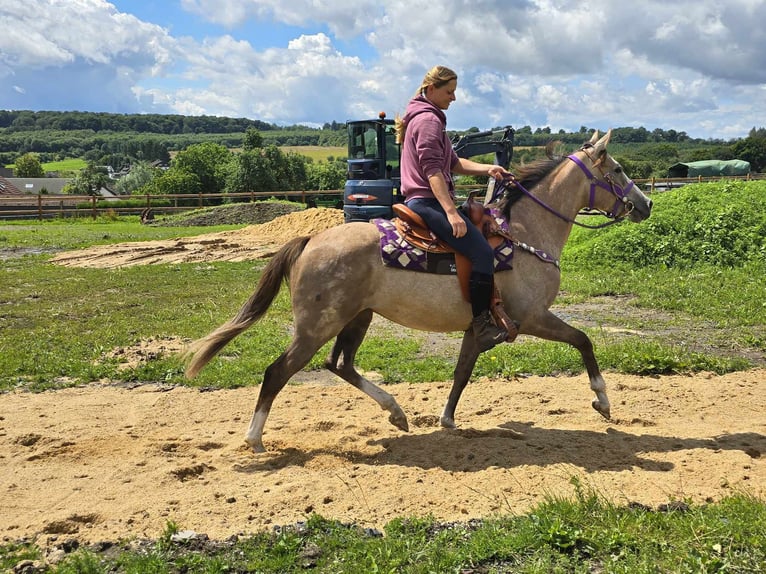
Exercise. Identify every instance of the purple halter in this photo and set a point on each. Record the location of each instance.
(609, 185)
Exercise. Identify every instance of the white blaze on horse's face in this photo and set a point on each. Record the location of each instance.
(636, 203)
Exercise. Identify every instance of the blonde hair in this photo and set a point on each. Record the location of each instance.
(437, 76)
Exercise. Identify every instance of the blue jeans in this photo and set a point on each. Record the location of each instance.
(472, 244)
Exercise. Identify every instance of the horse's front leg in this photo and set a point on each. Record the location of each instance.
(469, 352)
(552, 328)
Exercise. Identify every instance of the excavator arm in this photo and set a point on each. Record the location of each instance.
(499, 142)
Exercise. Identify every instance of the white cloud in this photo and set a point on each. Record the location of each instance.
(344, 18)
(691, 65)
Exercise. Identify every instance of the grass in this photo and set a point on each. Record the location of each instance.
(318, 153)
(67, 234)
(71, 165)
(65, 167)
(117, 308)
(583, 534)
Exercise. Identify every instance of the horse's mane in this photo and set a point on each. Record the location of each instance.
(529, 175)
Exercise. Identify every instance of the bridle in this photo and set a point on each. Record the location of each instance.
(622, 206)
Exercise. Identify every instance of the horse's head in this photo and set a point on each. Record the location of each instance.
(612, 192)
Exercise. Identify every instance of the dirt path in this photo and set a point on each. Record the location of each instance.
(104, 463)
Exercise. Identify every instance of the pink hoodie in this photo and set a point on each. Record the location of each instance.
(426, 149)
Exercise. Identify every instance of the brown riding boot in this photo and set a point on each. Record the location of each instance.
(486, 333)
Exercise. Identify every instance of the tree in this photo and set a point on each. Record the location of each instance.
(752, 149)
(326, 175)
(267, 169)
(253, 139)
(251, 172)
(140, 174)
(208, 162)
(89, 181)
(28, 165)
(175, 182)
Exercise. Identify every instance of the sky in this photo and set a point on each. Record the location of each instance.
(697, 66)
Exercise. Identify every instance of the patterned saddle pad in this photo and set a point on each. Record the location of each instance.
(396, 252)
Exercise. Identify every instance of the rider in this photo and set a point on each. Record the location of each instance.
(427, 163)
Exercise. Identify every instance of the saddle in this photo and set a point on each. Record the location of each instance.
(415, 231)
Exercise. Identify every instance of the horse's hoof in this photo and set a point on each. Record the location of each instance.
(256, 446)
(603, 410)
(447, 423)
(399, 420)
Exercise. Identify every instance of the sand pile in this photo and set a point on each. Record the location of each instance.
(308, 222)
(249, 243)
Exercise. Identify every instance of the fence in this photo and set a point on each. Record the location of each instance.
(50, 206)
(666, 183)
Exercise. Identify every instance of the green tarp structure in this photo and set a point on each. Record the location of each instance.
(709, 168)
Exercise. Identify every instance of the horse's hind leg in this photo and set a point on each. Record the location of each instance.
(341, 362)
(295, 357)
(469, 352)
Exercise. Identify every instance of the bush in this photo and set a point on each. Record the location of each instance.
(722, 223)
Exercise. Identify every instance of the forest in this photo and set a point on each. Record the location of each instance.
(122, 140)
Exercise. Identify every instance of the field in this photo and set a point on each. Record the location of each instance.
(65, 166)
(105, 440)
(318, 153)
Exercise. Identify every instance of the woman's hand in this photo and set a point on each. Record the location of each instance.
(498, 172)
(459, 227)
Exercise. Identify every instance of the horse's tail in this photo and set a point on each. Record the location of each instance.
(201, 351)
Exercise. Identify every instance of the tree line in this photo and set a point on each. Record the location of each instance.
(210, 168)
(123, 140)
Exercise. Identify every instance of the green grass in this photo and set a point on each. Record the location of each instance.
(114, 308)
(318, 153)
(584, 533)
(65, 167)
(71, 165)
(118, 308)
(67, 234)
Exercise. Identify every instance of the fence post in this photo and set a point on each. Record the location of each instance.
(39, 207)
(95, 210)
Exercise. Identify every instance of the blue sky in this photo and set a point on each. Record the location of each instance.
(690, 65)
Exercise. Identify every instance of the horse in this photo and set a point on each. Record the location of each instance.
(337, 281)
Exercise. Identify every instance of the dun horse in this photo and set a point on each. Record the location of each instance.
(337, 281)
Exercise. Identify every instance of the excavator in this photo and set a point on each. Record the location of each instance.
(372, 184)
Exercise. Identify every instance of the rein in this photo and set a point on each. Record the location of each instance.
(609, 185)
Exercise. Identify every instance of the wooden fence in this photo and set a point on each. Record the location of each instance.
(49, 206)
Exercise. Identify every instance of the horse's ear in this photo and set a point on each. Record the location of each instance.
(604, 141)
(594, 137)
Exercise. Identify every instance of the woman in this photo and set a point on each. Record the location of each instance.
(427, 163)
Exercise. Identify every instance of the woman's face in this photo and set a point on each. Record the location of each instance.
(443, 96)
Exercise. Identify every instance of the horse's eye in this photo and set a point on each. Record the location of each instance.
(618, 170)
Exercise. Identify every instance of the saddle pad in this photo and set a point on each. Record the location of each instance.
(396, 252)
